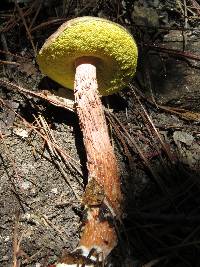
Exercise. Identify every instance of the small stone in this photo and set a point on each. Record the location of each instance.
(54, 190)
(25, 185)
(145, 16)
(5, 258)
(180, 136)
(7, 238)
(20, 132)
(174, 36)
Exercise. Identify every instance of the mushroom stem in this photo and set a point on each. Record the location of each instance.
(102, 194)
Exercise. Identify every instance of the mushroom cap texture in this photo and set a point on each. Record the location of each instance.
(110, 45)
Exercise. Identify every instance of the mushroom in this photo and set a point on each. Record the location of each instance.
(93, 56)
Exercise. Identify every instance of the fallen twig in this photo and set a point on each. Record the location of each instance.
(55, 156)
(150, 122)
(9, 62)
(54, 100)
(175, 52)
(26, 27)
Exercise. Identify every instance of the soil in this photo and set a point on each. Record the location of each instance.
(153, 124)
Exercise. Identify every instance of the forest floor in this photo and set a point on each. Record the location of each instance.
(154, 125)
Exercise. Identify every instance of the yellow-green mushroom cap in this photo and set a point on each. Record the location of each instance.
(110, 44)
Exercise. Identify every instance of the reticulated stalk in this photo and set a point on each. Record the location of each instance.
(102, 198)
